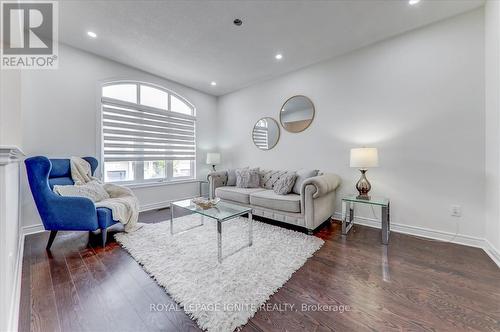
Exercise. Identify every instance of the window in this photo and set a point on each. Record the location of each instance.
(148, 134)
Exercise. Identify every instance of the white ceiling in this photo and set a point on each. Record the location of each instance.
(195, 42)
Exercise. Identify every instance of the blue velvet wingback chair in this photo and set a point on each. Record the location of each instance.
(60, 213)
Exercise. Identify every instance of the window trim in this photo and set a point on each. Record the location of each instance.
(169, 179)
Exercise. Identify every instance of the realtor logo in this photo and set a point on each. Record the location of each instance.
(29, 35)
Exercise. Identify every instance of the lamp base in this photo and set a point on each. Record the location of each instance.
(213, 168)
(363, 186)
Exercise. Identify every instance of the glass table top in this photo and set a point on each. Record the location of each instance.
(222, 211)
(374, 200)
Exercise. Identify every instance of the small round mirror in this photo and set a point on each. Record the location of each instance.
(266, 133)
(297, 114)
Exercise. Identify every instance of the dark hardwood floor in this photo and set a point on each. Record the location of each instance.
(413, 284)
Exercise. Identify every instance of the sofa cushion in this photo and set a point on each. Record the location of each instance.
(303, 175)
(235, 194)
(271, 200)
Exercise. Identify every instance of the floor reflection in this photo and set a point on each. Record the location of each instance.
(386, 274)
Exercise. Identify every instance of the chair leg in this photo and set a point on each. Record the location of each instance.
(51, 239)
(104, 233)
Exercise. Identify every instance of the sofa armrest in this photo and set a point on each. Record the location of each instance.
(215, 180)
(322, 184)
(318, 199)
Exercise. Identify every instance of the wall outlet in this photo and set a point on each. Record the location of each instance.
(456, 211)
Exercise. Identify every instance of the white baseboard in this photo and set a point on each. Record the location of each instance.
(32, 229)
(493, 252)
(466, 240)
(16, 293)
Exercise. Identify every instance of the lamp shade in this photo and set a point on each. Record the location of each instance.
(213, 158)
(364, 157)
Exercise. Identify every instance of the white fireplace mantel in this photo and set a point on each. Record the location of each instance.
(11, 240)
(10, 154)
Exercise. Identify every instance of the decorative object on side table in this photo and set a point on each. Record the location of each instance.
(213, 158)
(383, 202)
(204, 203)
(364, 158)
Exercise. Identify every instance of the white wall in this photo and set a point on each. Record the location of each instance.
(418, 97)
(492, 137)
(59, 117)
(10, 108)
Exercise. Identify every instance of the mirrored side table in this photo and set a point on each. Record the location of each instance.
(348, 203)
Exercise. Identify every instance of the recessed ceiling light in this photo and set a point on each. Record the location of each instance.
(91, 34)
(413, 2)
(279, 56)
(213, 83)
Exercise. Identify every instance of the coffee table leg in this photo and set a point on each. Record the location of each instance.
(219, 241)
(171, 219)
(250, 229)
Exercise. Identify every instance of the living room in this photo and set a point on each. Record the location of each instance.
(254, 165)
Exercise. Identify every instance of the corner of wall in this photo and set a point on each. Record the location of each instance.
(492, 126)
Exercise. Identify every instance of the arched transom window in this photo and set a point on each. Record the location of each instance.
(148, 134)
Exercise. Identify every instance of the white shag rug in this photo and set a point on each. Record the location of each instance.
(219, 297)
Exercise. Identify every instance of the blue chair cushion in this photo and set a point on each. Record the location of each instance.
(60, 168)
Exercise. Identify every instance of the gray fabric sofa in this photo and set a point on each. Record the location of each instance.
(309, 209)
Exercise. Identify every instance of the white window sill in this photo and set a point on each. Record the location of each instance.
(157, 184)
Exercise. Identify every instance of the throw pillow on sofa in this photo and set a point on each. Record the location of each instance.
(302, 175)
(231, 177)
(284, 184)
(268, 178)
(247, 178)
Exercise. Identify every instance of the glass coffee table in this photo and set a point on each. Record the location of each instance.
(221, 213)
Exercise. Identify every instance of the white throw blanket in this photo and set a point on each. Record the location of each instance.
(122, 201)
(123, 204)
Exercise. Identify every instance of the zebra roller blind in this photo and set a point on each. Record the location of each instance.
(136, 132)
(261, 138)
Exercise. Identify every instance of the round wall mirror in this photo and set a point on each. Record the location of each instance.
(297, 114)
(266, 133)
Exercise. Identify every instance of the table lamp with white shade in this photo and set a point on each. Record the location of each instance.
(213, 158)
(364, 158)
